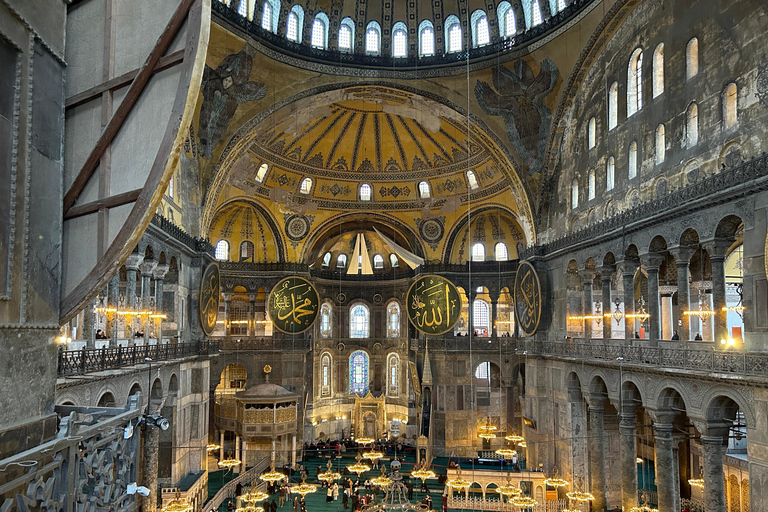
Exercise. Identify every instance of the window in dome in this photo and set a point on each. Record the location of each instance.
(633, 160)
(506, 17)
(365, 192)
(269, 15)
(591, 185)
(613, 106)
(242, 9)
(393, 261)
(472, 180)
(424, 190)
(561, 5)
(378, 261)
(346, 32)
(658, 70)
(453, 34)
(373, 39)
(263, 168)
(393, 320)
(610, 169)
(426, 39)
(591, 133)
(306, 186)
(635, 82)
(692, 59)
(318, 32)
(574, 194)
(295, 23)
(341, 261)
(478, 252)
(481, 35)
(502, 254)
(358, 373)
(327, 259)
(359, 321)
(246, 250)
(326, 312)
(692, 125)
(729, 105)
(660, 144)
(222, 250)
(537, 18)
(399, 40)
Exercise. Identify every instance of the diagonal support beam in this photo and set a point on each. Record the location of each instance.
(121, 114)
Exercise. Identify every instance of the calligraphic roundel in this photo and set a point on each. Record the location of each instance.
(433, 305)
(210, 291)
(527, 298)
(293, 305)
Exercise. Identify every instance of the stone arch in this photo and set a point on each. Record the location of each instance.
(670, 399)
(156, 392)
(722, 404)
(107, 399)
(226, 206)
(690, 236)
(573, 385)
(658, 244)
(598, 387)
(630, 397)
(135, 388)
(173, 384)
(728, 226)
(512, 222)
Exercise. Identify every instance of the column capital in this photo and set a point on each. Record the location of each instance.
(147, 267)
(628, 266)
(652, 260)
(133, 261)
(587, 276)
(607, 271)
(627, 420)
(595, 401)
(160, 271)
(717, 247)
(682, 254)
(252, 297)
(227, 296)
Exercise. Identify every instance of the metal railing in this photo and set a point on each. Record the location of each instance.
(228, 489)
(78, 362)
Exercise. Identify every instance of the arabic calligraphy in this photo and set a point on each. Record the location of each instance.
(433, 305)
(293, 305)
(209, 298)
(527, 298)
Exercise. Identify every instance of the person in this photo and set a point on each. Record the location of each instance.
(410, 491)
(335, 491)
(424, 486)
(238, 489)
(230, 506)
(445, 501)
(138, 334)
(618, 508)
(698, 337)
(303, 505)
(273, 506)
(100, 335)
(266, 505)
(281, 496)
(345, 498)
(675, 336)
(329, 495)
(637, 335)
(296, 504)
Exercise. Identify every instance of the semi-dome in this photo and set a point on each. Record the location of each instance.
(264, 390)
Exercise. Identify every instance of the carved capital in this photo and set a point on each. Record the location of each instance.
(147, 267)
(160, 271)
(682, 254)
(717, 247)
(133, 261)
(652, 261)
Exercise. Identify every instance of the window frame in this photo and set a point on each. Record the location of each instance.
(363, 330)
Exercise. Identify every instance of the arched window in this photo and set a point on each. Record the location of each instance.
(478, 252)
(610, 169)
(692, 58)
(306, 186)
(326, 319)
(472, 180)
(347, 35)
(393, 320)
(222, 250)
(170, 187)
(632, 160)
(365, 192)
(246, 250)
(424, 190)
(393, 374)
(359, 321)
(613, 106)
(262, 172)
(729, 105)
(480, 317)
(574, 194)
(358, 372)
(426, 39)
(325, 378)
(692, 125)
(295, 24)
(341, 261)
(378, 261)
(506, 17)
(481, 34)
(561, 5)
(242, 9)
(635, 82)
(658, 70)
(320, 31)
(591, 133)
(393, 261)
(269, 15)
(661, 148)
(502, 254)
(327, 259)
(591, 185)
(537, 18)
(452, 34)
(399, 40)
(373, 39)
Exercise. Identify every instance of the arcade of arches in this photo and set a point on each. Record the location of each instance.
(616, 147)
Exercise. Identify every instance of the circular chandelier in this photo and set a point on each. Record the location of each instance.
(229, 463)
(458, 482)
(508, 489)
(358, 467)
(507, 453)
(524, 502)
(395, 497)
(249, 507)
(272, 475)
(382, 480)
(254, 496)
(365, 440)
(212, 447)
(513, 438)
(488, 431)
(373, 454)
(304, 488)
(522, 444)
(696, 482)
(177, 504)
(554, 480)
(330, 475)
(580, 496)
(423, 472)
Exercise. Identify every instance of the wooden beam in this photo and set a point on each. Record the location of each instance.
(120, 81)
(131, 97)
(107, 202)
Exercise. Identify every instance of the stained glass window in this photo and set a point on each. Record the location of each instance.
(358, 321)
(325, 320)
(358, 373)
(393, 320)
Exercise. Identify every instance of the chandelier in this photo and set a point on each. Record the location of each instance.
(696, 482)
(508, 489)
(423, 472)
(514, 438)
(229, 463)
(253, 495)
(703, 312)
(373, 454)
(524, 502)
(488, 431)
(580, 496)
(272, 475)
(212, 447)
(458, 482)
(507, 453)
(249, 507)
(365, 440)
(358, 467)
(522, 444)
(177, 504)
(382, 480)
(330, 475)
(304, 488)
(554, 480)
(395, 496)
(641, 314)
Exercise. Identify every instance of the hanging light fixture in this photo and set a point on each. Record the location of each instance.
(507, 453)
(364, 440)
(508, 489)
(330, 475)
(458, 482)
(641, 314)
(580, 496)
(696, 482)
(230, 462)
(522, 444)
(253, 495)
(488, 431)
(272, 475)
(178, 504)
(703, 312)
(523, 502)
(358, 467)
(423, 472)
(382, 480)
(373, 454)
(554, 480)
(513, 438)
(212, 447)
(304, 488)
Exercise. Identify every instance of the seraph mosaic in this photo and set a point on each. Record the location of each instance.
(518, 96)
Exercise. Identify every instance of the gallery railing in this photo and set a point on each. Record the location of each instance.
(78, 362)
(86, 467)
(194, 243)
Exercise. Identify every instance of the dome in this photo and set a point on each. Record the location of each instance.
(265, 390)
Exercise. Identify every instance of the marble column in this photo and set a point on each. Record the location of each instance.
(676, 440)
(159, 276)
(221, 445)
(597, 474)
(494, 316)
(628, 269)
(471, 320)
(713, 451)
(147, 266)
(652, 262)
(667, 312)
(606, 274)
(293, 450)
(112, 302)
(666, 484)
(89, 325)
(579, 436)
(131, 269)
(252, 315)
(628, 460)
(587, 281)
(717, 249)
(236, 469)
(682, 257)
(151, 457)
(227, 301)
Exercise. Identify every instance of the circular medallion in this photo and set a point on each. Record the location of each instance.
(433, 305)
(527, 298)
(377, 298)
(210, 290)
(341, 298)
(340, 347)
(377, 346)
(431, 230)
(293, 305)
(296, 227)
